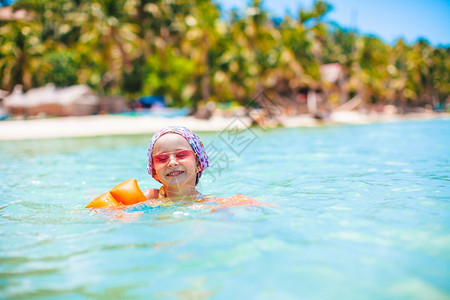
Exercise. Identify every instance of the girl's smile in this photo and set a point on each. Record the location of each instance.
(175, 173)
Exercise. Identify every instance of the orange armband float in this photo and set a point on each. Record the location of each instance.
(125, 193)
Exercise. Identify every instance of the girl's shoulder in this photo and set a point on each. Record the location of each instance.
(151, 194)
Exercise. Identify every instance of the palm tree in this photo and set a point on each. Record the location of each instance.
(184, 50)
(422, 72)
(252, 53)
(440, 75)
(20, 54)
(200, 44)
(108, 41)
(340, 47)
(396, 90)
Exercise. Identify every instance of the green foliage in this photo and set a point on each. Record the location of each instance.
(61, 68)
(170, 74)
(183, 50)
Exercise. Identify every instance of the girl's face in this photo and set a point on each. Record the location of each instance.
(175, 163)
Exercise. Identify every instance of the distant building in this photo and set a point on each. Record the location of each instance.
(332, 73)
(315, 98)
(75, 100)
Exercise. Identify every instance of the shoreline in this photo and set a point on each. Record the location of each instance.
(103, 125)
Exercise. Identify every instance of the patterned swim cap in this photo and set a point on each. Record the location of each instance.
(191, 137)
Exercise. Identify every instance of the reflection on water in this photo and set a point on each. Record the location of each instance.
(364, 207)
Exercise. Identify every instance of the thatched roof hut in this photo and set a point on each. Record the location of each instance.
(77, 100)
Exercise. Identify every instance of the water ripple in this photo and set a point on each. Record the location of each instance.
(361, 206)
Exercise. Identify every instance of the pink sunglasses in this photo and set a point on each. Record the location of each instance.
(163, 159)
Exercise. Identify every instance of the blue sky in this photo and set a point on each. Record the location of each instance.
(387, 19)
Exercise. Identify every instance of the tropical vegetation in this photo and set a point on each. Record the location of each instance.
(192, 52)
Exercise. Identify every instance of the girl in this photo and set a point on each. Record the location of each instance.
(176, 158)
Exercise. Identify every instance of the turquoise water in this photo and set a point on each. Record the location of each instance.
(363, 212)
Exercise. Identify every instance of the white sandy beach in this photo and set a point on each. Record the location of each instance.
(99, 125)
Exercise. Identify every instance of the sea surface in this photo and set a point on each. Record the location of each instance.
(356, 212)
